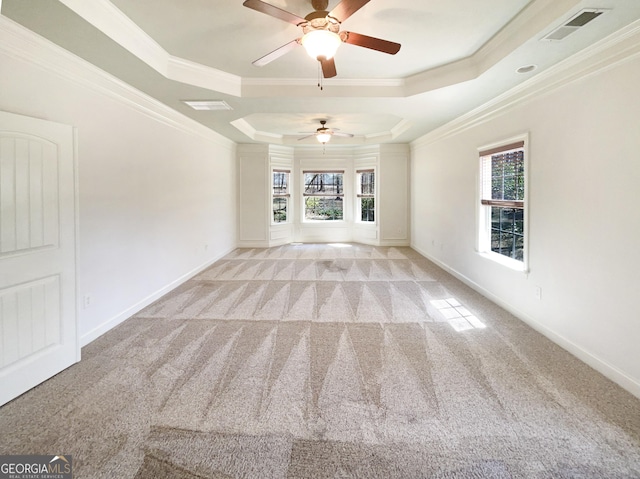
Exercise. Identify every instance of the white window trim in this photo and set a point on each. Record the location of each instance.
(288, 195)
(483, 215)
(358, 211)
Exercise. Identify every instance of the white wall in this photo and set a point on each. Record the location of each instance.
(156, 190)
(255, 226)
(394, 195)
(584, 230)
(253, 196)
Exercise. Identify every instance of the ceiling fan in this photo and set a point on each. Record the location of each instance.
(321, 32)
(324, 133)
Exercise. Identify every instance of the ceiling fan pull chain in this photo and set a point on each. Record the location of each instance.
(320, 77)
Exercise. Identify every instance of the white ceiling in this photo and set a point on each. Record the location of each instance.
(193, 29)
(455, 56)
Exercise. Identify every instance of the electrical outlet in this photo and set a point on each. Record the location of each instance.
(538, 292)
(86, 301)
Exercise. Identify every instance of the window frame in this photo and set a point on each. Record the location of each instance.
(485, 204)
(305, 195)
(286, 195)
(360, 196)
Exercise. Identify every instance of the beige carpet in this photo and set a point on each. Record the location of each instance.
(319, 361)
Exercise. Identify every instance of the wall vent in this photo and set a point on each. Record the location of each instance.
(579, 20)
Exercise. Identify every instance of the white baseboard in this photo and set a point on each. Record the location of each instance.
(253, 244)
(609, 371)
(394, 242)
(111, 323)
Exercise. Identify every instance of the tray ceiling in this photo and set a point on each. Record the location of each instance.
(455, 56)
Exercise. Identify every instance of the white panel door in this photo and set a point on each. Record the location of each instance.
(38, 330)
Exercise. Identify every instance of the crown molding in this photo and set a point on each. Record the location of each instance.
(443, 76)
(22, 44)
(401, 127)
(326, 153)
(398, 149)
(621, 46)
(280, 139)
(111, 21)
(362, 153)
(281, 152)
(196, 74)
(249, 149)
(536, 17)
(247, 128)
(308, 87)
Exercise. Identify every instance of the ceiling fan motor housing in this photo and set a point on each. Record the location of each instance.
(319, 4)
(320, 20)
(323, 128)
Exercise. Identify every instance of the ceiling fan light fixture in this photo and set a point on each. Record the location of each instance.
(321, 43)
(323, 137)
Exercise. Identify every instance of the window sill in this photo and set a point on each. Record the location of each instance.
(504, 261)
(321, 222)
(324, 222)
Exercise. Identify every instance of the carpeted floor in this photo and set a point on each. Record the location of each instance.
(320, 361)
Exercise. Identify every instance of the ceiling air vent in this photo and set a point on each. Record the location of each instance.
(577, 21)
(208, 105)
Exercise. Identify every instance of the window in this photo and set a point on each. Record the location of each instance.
(323, 195)
(366, 194)
(280, 194)
(502, 202)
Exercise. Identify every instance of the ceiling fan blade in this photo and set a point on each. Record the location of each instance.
(305, 137)
(328, 67)
(277, 53)
(346, 8)
(276, 12)
(344, 135)
(373, 43)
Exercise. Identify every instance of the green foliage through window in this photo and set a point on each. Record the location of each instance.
(507, 232)
(367, 209)
(323, 208)
(324, 193)
(280, 192)
(366, 195)
(280, 209)
(503, 194)
(507, 176)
